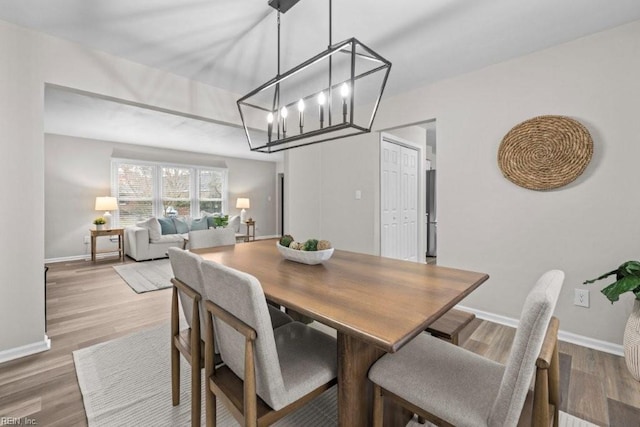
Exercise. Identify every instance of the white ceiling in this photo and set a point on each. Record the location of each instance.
(232, 43)
(85, 116)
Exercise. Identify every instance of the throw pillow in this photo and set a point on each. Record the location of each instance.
(152, 224)
(167, 225)
(181, 225)
(199, 224)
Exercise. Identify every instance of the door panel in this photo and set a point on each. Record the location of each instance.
(399, 201)
(389, 200)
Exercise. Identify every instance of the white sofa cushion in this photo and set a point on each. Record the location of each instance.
(155, 231)
(170, 238)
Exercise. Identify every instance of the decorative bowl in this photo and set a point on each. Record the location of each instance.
(304, 257)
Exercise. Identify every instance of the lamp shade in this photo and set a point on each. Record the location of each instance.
(106, 204)
(243, 203)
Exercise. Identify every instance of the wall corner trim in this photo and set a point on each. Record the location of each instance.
(25, 350)
(569, 337)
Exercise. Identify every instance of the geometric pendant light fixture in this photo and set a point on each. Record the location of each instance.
(334, 94)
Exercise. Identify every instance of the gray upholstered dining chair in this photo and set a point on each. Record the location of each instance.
(451, 386)
(267, 372)
(188, 288)
(212, 238)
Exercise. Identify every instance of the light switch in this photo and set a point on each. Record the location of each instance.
(358, 194)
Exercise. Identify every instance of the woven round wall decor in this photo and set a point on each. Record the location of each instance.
(545, 152)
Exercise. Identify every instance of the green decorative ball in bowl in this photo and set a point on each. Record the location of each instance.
(310, 252)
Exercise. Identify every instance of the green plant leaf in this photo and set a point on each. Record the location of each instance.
(626, 284)
(604, 276)
(630, 268)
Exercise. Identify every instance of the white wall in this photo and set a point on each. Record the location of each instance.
(22, 177)
(321, 182)
(77, 170)
(488, 224)
(28, 60)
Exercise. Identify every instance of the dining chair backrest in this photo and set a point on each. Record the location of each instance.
(534, 320)
(241, 295)
(212, 238)
(186, 268)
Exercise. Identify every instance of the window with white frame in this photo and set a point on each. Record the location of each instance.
(146, 189)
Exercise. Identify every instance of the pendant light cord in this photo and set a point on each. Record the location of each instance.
(330, 62)
(330, 19)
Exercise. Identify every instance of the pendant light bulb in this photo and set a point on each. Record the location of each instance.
(301, 106)
(284, 112)
(321, 98)
(270, 118)
(344, 90)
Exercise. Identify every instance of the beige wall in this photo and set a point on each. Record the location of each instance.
(488, 224)
(22, 177)
(28, 61)
(77, 170)
(321, 181)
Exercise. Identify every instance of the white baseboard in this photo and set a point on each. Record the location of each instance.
(569, 337)
(593, 343)
(25, 350)
(67, 258)
(267, 237)
(84, 257)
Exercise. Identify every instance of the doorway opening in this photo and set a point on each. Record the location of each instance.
(408, 215)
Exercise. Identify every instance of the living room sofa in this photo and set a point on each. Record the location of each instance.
(151, 239)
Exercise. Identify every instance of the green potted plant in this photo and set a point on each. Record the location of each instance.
(99, 222)
(627, 280)
(220, 221)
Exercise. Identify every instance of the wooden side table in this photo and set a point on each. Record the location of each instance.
(251, 225)
(110, 232)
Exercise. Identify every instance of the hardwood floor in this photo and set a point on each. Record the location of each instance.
(88, 304)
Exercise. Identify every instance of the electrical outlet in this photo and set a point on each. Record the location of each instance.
(86, 240)
(581, 297)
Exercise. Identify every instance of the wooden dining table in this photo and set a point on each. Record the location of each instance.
(375, 304)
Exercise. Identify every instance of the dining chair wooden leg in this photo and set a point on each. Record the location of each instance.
(195, 366)
(250, 400)
(175, 376)
(175, 353)
(209, 367)
(210, 407)
(541, 399)
(554, 385)
(378, 406)
(195, 395)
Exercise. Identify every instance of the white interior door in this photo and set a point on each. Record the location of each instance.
(390, 183)
(409, 202)
(399, 201)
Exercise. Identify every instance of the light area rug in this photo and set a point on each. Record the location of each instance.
(146, 276)
(127, 382)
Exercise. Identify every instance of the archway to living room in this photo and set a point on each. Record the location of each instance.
(86, 132)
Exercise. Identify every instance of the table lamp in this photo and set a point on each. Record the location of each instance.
(107, 204)
(243, 203)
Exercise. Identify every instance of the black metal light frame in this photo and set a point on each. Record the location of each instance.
(344, 128)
